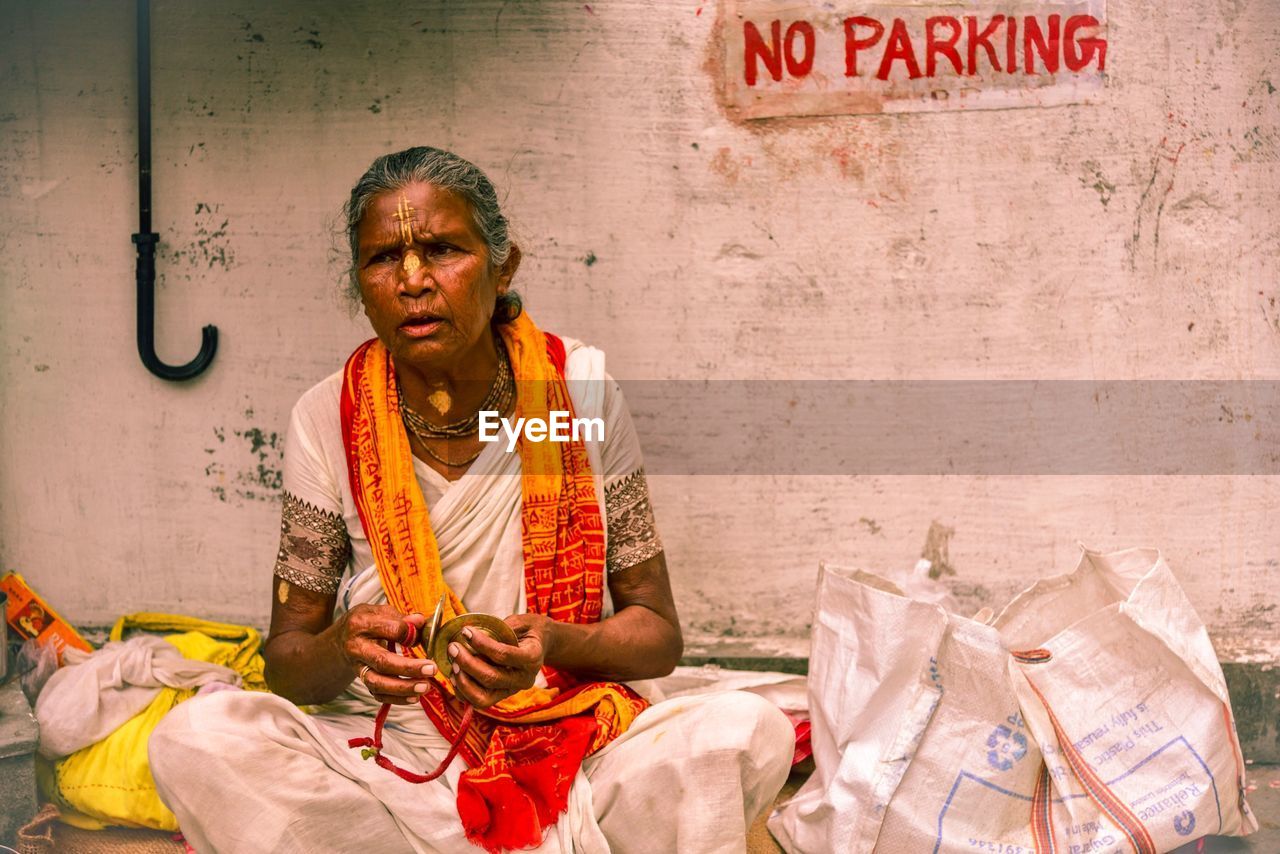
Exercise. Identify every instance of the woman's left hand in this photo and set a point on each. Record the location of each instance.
(497, 670)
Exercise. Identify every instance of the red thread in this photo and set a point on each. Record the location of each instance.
(375, 744)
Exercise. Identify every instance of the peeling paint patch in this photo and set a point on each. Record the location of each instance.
(589, 259)
(252, 470)
(731, 630)
(213, 249)
(1094, 180)
(268, 474)
(937, 548)
(1262, 142)
(210, 246)
(1229, 415)
(198, 108)
(737, 250)
(311, 40)
(249, 34)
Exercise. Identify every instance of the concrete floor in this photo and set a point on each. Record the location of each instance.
(1264, 798)
(17, 741)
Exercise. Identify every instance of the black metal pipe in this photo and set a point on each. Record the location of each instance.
(145, 239)
(144, 116)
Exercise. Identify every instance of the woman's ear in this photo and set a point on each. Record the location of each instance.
(507, 271)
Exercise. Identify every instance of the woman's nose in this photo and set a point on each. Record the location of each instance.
(414, 279)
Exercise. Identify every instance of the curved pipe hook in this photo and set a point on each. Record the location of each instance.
(146, 239)
(146, 244)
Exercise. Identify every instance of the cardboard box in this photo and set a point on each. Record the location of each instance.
(31, 617)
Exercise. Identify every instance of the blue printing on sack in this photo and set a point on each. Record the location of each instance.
(965, 774)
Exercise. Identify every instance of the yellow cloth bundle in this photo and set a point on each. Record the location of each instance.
(109, 783)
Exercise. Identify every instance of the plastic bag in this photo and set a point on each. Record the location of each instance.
(928, 736)
(1151, 758)
(94, 693)
(37, 662)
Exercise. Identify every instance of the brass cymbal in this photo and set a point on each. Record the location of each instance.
(451, 632)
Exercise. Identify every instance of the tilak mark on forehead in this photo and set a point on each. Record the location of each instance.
(404, 214)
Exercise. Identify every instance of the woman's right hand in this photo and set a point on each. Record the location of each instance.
(362, 634)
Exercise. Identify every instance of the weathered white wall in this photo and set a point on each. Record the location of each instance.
(1007, 244)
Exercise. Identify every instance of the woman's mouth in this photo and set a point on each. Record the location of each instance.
(421, 326)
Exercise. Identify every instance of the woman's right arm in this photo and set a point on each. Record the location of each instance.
(310, 659)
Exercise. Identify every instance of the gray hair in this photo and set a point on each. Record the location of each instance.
(448, 171)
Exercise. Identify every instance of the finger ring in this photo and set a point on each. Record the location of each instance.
(364, 671)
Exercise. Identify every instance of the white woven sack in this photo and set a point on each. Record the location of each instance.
(921, 742)
(916, 732)
(1124, 694)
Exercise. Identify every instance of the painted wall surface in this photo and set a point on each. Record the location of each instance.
(1134, 238)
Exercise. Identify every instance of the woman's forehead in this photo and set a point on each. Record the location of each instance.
(424, 206)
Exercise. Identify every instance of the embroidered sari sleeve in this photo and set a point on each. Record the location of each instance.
(633, 535)
(314, 546)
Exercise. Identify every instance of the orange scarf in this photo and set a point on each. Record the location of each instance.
(523, 752)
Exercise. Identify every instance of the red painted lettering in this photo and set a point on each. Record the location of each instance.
(933, 47)
(898, 48)
(1076, 58)
(1032, 35)
(755, 51)
(853, 44)
(802, 66)
(982, 38)
(1011, 47)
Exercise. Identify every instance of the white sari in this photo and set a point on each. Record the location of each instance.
(252, 772)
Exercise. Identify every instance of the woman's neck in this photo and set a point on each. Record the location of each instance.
(453, 393)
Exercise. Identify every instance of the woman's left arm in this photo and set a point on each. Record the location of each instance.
(642, 640)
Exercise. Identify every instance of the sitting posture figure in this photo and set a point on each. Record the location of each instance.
(393, 503)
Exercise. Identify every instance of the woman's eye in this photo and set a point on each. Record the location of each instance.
(437, 250)
(382, 258)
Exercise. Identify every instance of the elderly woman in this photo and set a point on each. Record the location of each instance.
(392, 503)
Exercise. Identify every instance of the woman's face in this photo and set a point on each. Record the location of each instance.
(425, 279)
